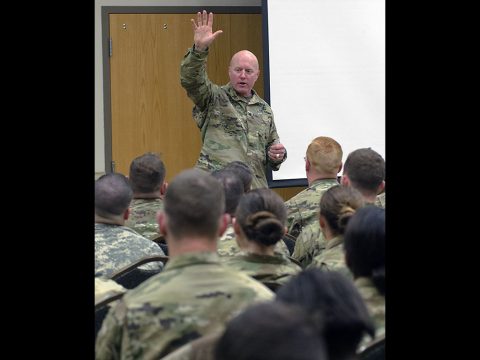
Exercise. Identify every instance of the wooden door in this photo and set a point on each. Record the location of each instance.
(150, 110)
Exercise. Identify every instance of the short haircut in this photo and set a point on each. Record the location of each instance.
(325, 155)
(147, 173)
(261, 214)
(338, 204)
(194, 203)
(346, 317)
(365, 168)
(271, 331)
(113, 195)
(364, 243)
(232, 186)
(243, 172)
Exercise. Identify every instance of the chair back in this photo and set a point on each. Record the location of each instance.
(101, 310)
(375, 350)
(131, 275)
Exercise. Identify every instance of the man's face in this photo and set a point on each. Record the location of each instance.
(243, 73)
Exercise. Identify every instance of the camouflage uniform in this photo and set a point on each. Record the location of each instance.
(143, 217)
(228, 247)
(232, 127)
(192, 296)
(118, 246)
(375, 304)
(104, 288)
(332, 258)
(271, 269)
(310, 243)
(380, 201)
(302, 209)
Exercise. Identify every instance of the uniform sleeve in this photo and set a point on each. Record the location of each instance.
(272, 139)
(109, 339)
(194, 79)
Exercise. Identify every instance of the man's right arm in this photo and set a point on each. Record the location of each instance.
(194, 79)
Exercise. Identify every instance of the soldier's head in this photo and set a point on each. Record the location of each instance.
(364, 170)
(194, 207)
(243, 72)
(232, 187)
(272, 331)
(113, 195)
(261, 217)
(330, 293)
(337, 206)
(364, 243)
(243, 172)
(147, 174)
(324, 158)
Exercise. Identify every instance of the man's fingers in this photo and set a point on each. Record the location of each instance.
(199, 18)
(210, 19)
(218, 32)
(194, 25)
(204, 18)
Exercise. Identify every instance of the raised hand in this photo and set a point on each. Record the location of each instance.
(202, 30)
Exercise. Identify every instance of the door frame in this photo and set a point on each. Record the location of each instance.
(105, 19)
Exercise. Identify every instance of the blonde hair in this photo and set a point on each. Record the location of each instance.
(325, 155)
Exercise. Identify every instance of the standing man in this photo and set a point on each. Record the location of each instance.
(235, 123)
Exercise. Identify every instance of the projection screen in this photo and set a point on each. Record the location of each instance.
(324, 64)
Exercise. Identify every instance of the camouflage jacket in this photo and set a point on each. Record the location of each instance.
(302, 209)
(267, 269)
(310, 243)
(375, 304)
(118, 246)
(232, 127)
(194, 295)
(228, 247)
(143, 217)
(332, 258)
(380, 201)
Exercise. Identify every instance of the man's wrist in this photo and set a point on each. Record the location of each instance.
(197, 48)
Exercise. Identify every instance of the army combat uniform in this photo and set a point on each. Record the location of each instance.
(118, 246)
(143, 217)
(302, 209)
(232, 127)
(276, 269)
(310, 243)
(333, 257)
(194, 295)
(375, 304)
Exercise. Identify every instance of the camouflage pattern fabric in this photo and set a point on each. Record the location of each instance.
(118, 246)
(143, 217)
(332, 258)
(302, 209)
(194, 295)
(232, 127)
(380, 200)
(105, 288)
(375, 304)
(271, 269)
(228, 247)
(201, 349)
(310, 243)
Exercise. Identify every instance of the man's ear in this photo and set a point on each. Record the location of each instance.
(223, 224)
(307, 165)
(126, 214)
(163, 189)
(236, 227)
(322, 221)
(345, 181)
(162, 223)
(381, 187)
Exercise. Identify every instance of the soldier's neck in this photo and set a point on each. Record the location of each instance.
(110, 220)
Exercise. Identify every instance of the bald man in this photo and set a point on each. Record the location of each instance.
(235, 123)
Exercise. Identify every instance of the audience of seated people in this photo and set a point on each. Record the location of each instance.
(195, 294)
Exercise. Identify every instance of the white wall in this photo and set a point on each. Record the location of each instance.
(99, 112)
